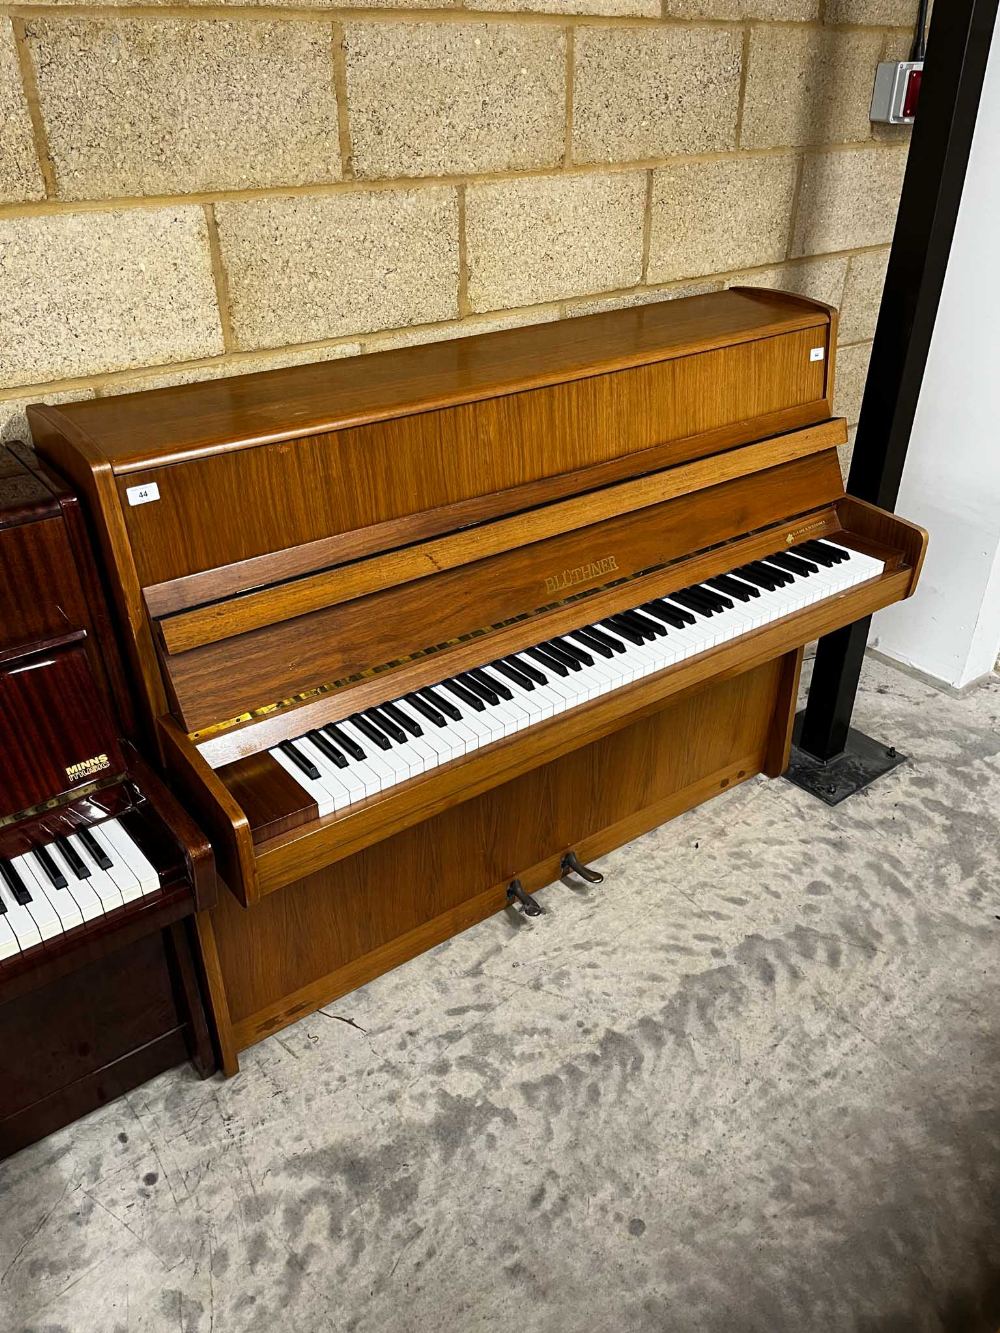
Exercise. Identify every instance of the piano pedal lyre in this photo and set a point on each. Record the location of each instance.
(516, 892)
(572, 865)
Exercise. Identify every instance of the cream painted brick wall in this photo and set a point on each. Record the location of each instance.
(540, 240)
(851, 370)
(20, 174)
(202, 192)
(169, 106)
(436, 99)
(651, 92)
(900, 12)
(808, 87)
(819, 279)
(320, 266)
(862, 294)
(848, 199)
(743, 9)
(725, 214)
(86, 293)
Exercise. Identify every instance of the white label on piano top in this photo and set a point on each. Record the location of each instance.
(143, 495)
(816, 353)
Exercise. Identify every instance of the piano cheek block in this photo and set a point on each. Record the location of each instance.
(488, 671)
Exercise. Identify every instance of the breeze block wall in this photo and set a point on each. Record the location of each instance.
(190, 191)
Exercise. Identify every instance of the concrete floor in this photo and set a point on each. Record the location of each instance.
(752, 1083)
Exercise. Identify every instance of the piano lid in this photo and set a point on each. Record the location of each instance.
(185, 421)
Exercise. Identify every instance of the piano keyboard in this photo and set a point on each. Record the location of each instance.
(62, 884)
(372, 751)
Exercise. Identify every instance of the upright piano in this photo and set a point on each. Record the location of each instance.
(101, 870)
(419, 632)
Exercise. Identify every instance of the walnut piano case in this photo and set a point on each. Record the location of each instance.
(290, 549)
(98, 975)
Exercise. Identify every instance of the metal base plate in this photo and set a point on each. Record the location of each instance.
(861, 762)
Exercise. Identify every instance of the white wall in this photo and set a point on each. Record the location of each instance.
(950, 628)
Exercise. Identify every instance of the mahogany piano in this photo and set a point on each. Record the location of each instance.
(419, 631)
(100, 869)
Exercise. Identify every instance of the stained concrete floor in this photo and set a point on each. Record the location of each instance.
(751, 1083)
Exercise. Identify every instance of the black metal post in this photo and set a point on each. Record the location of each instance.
(958, 48)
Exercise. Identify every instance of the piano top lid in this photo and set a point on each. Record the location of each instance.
(162, 426)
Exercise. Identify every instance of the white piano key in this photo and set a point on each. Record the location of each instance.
(9, 947)
(20, 920)
(60, 902)
(314, 788)
(44, 915)
(84, 896)
(100, 881)
(374, 756)
(132, 854)
(344, 787)
(121, 872)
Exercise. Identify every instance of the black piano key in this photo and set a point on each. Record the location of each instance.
(668, 614)
(762, 578)
(442, 704)
(812, 551)
(3, 905)
(328, 748)
(647, 622)
(672, 612)
(590, 644)
(347, 743)
(641, 626)
(403, 720)
(515, 674)
(829, 548)
(372, 732)
(709, 600)
(623, 626)
(548, 662)
(497, 686)
(477, 687)
(76, 862)
(625, 631)
(793, 563)
(574, 650)
(96, 850)
(601, 636)
(467, 697)
(782, 576)
(743, 592)
(425, 709)
(532, 672)
(300, 761)
(379, 719)
(721, 603)
(52, 872)
(561, 655)
(684, 597)
(15, 883)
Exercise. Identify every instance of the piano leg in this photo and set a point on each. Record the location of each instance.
(180, 945)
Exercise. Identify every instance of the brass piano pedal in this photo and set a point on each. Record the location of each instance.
(572, 865)
(516, 893)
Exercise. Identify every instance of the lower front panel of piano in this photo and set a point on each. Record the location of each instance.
(322, 936)
(103, 1029)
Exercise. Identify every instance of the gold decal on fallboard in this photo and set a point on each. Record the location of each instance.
(594, 569)
(88, 767)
